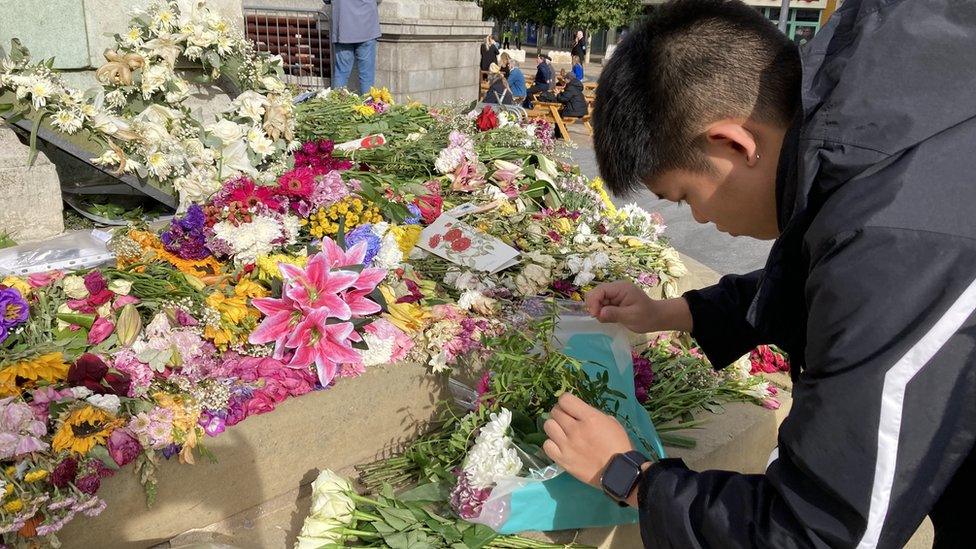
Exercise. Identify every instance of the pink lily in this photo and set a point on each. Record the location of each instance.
(337, 257)
(281, 317)
(327, 345)
(467, 177)
(317, 286)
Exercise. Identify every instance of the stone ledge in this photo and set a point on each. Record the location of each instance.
(264, 459)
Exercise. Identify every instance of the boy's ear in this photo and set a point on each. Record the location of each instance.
(735, 138)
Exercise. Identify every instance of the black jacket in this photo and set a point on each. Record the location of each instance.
(489, 55)
(498, 92)
(574, 103)
(871, 289)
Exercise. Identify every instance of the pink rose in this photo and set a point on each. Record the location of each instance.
(40, 280)
(123, 447)
(124, 300)
(100, 330)
(260, 403)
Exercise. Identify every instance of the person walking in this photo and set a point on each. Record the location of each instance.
(355, 36)
(866, 187)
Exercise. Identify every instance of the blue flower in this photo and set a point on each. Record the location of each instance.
(415, 216)
(364, 233)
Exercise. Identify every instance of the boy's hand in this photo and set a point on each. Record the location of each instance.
(626, 304)
(582, 439)
(621, 302)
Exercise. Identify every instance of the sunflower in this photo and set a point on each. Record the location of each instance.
(83, 429)
(48, 367)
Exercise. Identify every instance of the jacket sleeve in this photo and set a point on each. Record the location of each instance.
(719, 318)
(883, 414)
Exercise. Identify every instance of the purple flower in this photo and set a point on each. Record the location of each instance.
(13, 310)
(364, 233)
(123, 447)
(89, 484)
(467, 500)
(643, 377)
(186, 237)
(415, 215)
(171, 450)
(20, 430)
(212, 424)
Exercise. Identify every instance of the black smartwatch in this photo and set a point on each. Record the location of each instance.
(622, 475)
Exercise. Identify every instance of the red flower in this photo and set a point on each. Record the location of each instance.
(434, 241)
(461, 244)
(487, 120)
(90, 371)
(430, 207)
(452, 235)
(64, 472)
(299, 182)
(89, 484)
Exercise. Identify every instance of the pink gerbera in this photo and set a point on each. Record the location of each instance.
(298, 182)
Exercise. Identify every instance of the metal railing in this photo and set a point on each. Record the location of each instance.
(299, 36)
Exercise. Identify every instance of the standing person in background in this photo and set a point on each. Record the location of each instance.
(516, 81)
(489, 53)
(355, 34)
(507, 38)
(579, 45)
(543, 79)
(519, 36)
(578, 68)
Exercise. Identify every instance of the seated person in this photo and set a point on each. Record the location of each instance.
(516, 82)
(505, 63)
(577, 68)
(498, 89)
(572, 99)
(543, 80)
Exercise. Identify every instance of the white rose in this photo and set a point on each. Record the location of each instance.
(80, 392)
(272, 83)
(109, 403)
(250, 104)
(120, 286)
(228, 132)
(154, 78)
(74, 286)
(64, 310)
(105, 309)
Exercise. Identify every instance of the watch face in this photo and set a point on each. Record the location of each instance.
(619, 477)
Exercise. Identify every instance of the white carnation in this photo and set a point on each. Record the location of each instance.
(109, 403)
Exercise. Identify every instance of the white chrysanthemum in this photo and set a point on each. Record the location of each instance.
(132, 37)
(250, 240)
(389, 257)
(158, 164)
(378, 350)
(493, 456)
(40, 91)
(636, 221)
(449, 159)
(250, 104)
(154, 78)
(116, 99)
(67, 121)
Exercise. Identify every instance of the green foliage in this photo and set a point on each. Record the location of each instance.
(597, 14)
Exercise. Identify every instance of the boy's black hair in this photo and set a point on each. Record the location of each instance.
(692, 62)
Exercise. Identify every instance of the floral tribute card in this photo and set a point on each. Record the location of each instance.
(464, 245)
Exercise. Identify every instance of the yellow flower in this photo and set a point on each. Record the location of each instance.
(153, 250)
(249, 288)
(597, 185)
(232, 309)
(48, 367)
(268, 265)
(409, 317)
(34, 476)
(13, 506)
(406, 236)
(185, 412)
(381, 94)
(83, 429)
(507, 208)
(364, 110)
(221, 337)
(564, 225)
(353, 212)
(18, 284)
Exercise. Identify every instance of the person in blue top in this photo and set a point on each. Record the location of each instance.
(516, 81)
(577, 68)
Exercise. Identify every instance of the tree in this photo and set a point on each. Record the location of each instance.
(591, 15)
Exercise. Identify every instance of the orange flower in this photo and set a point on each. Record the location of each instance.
(196, 267)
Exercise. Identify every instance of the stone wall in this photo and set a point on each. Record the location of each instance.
(31, 195)
(429, 51)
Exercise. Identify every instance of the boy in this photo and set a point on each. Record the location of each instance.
(862, 173)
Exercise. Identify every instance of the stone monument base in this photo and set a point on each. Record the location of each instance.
(32, 207)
